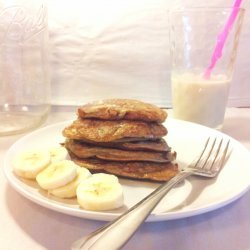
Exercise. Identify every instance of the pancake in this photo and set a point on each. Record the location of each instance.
(158, 145)
(108, 131)
(83, 150)
(132, 170)
(118, 109)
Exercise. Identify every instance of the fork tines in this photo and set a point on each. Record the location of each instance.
(214, 154)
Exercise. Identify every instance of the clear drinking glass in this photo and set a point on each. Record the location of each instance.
(24, 76)
(193, 37)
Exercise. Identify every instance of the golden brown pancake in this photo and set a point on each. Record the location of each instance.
(135, 170)
(108, 131)
(83, 150)
(118, 109)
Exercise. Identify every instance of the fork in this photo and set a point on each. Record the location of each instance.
(116, 233)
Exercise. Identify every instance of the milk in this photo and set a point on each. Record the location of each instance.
(200, 100)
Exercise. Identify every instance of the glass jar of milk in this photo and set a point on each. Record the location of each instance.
(193, 34)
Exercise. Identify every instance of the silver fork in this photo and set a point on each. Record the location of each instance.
(116, 233)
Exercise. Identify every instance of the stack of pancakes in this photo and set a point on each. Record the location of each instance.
(122, 137)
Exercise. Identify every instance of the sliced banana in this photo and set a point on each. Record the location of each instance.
(69, 190)
(58, 153)
(57, 174)
(100, 192)
(29, 163)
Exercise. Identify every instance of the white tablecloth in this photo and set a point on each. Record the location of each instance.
(26, 225)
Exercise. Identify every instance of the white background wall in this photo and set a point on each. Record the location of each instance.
(116, 48)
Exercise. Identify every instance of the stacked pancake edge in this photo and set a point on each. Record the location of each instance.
(123, 137)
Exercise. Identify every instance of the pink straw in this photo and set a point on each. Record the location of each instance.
(222, 39)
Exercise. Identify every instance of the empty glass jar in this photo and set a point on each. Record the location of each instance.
(24, 76)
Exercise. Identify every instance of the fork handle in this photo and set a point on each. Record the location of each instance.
(116, 233)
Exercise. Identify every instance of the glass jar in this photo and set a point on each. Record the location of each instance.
(24, 75)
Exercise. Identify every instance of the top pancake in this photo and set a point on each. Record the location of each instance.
(117, 109)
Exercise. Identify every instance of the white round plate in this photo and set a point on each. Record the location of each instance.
(193, 196)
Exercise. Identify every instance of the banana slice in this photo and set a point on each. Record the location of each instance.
(57, 174)
(69, 190)
(29, 163)
(58, 153)
(100, 192)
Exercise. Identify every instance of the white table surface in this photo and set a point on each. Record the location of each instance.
(25, 225)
